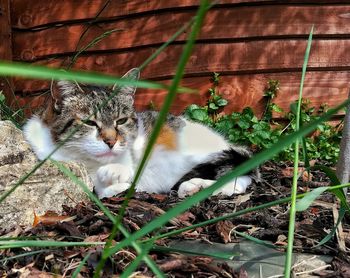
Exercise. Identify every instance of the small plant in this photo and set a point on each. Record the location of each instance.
(208, 114)
(7, 113)
(246, 128)
(270, 93)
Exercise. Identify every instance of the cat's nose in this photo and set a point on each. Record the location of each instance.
(110, 142)
(109, 136)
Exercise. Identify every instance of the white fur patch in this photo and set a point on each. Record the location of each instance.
(197, 139)
(112, 179)
(39, 137)
(192, 186)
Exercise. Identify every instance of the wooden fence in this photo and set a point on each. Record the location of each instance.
(248, 42)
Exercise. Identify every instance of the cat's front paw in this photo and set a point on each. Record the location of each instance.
(111, 179)
(111, 190)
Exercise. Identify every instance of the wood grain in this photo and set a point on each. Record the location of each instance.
(31, 14)
(247, 90)
(229, 24)
(228, 58)
(6, 85)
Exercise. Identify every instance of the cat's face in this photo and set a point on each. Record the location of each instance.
(108, 133)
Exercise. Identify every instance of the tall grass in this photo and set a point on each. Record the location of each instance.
(292, 212)
(135, 240)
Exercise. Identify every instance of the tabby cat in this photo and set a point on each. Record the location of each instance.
(187, 155)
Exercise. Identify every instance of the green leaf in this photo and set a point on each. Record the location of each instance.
(200, 115)
(213, 106)
(243, 123)
(2, 97)
(276, 108)
(222, 102)
(309, 198)
(293, 108)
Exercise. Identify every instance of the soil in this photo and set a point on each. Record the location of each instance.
(87, 223)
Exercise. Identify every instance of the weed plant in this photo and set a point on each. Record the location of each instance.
(260, 133)
(245, 121)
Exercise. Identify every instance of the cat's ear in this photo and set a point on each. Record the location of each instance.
(61, 89)
(133, 74)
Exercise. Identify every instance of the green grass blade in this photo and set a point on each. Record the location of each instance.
(329, 172)
(256, 240)
(8, 244)
(31, 253)
(80, 266)
(216, 255)
(166, 44)
(91, 44)
(334, 180)
(240, 170)
(310, 197)
(152, 265)
(158, 124)
(171, 39)
(292, 212)
(236, 214)
(84, 187)
(41, 72)
(334, 229)
(135, 263)
(167, 102)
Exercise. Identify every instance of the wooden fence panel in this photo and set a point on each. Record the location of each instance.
(228, 25)
(249, 42)
(34, 14)
(6, 85)
(323, 87)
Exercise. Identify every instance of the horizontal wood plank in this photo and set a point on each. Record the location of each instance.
(32, 14)
(247, 90)
(6, 86)
(231, 58)
(230, 24)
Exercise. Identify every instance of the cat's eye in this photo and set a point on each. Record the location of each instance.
(121, 121)
(90, 123)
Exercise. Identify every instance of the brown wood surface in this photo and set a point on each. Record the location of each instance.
(229, 24)
(249, 42)
(30, 14)
(229, 58)
(247, 90)
(5, 47)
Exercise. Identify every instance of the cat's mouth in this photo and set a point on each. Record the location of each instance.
(106, 154)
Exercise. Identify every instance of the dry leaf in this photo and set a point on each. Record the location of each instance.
(281, 240)
(50, 218)
(223, 228)
(186, 216)
(243, 198)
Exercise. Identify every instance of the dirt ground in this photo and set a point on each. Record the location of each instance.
(90, 224)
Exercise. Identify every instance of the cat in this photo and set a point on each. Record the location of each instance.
(187, 156)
